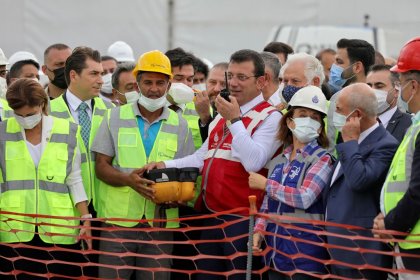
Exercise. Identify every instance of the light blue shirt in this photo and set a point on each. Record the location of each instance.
(148, 133)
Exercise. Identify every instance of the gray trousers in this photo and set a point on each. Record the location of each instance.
(142, 258)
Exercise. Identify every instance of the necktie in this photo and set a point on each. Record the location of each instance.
(84, 122)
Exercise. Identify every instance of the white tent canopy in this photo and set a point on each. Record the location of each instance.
(211, 29)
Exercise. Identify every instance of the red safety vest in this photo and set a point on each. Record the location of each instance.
(225, 180)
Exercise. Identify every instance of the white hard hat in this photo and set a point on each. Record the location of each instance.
(3, 58)
(21, 55)
(310, 97)
(121, 51)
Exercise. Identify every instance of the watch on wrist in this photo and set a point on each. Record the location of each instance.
(232, 121)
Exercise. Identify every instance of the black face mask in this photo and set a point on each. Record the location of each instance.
(59, 80)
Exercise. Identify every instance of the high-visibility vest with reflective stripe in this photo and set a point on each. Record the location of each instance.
(398, 179)
(59, 109)
(192, 117)
(225, 180)
(124, 202)
(7, 111)
(30, 190)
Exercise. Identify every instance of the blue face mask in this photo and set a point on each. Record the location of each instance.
(401, 101)
(336, 80)
(289, 91)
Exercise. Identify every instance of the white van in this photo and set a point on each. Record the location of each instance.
(313, 38)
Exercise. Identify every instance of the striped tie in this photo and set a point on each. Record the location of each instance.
(84, 122)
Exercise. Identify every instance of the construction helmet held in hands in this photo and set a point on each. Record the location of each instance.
(310, 97)
(409, 58)
(153, 61)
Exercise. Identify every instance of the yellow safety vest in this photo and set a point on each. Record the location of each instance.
(43, 190)
(398, 178)
(7, 111)
(124, 202)
(192, 117)
(59, 109)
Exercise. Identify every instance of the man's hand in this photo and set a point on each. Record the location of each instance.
(281, 106)
(257, 181)
(85, 235)
(202, 106)
(379, 225)
(228, 110)
(351, 130)
(140, 184)
(155, 165)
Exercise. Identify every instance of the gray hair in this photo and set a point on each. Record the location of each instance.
(362, 96)
(122, 67)
(313, 67)
(272, 61)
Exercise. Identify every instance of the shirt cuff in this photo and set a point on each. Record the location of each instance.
(237, 127)
(170, 164)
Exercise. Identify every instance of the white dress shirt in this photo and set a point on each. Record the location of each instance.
(253, 152)
(74, 103)
(275, 99)
(74, 180)
(386, 117)
(362, 137)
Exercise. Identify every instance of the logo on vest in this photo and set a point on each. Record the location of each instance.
(294, 172)
(216, 138)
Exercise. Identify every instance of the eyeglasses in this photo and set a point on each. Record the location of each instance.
(240, 77)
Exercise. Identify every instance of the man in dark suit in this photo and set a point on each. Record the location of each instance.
(382, 80)
(353, 196)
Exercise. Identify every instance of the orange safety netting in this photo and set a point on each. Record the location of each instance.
(183, 253)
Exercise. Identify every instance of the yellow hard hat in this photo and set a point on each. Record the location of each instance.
(153, 61)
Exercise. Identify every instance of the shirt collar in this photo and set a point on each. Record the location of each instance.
(366, 133)
(275, 99)
(386, 116)
(163, 116)
(74, 101)
(416, 118)
(251, 104)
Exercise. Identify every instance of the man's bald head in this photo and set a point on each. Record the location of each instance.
(359, 96)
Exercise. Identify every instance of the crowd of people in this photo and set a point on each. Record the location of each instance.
(331, 137)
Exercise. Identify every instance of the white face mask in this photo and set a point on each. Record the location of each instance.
(107, 85)
(306, 129)
(199, 87)
(381, 96)
(29, 122)
(339, 120)
(3, 87)
(150, 104)
(181, 93)
(132, 96)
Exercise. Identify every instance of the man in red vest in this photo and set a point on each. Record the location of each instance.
(242, 138)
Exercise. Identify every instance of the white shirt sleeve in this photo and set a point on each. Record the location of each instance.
(74, 180)
(254, 152)
(194, 160)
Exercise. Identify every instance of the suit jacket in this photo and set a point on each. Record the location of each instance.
(353, 197)
(398, 124)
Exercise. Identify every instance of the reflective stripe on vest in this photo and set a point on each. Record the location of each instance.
(398, 179)
(59, 109)
(124, 202)
(192, 117)
(7, 111)
(42, 190)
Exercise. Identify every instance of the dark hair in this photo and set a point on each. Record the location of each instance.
(16, 68)
(179, 58)
(122, 67)
(58, 46)
(77, 60)
(279, 47)
(324, 51)
(285, 134)
(201, 67)
(107, 57)
(412, 74)
(249, 55)
(393, 76)
(358, 50)
(26, 92)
